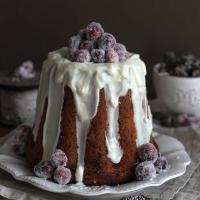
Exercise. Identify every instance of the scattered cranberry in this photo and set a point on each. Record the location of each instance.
(147, 152)
(82, 56)
(145, 171)
(74, 42)
(98, 55)
(87, 44)
(94, 31)
(161, 164)
(62, 175)
(111, 56)
(107, 41)
(59, 158)
(121, 51)
(44, 169)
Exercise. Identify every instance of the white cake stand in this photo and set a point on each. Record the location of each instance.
(170, 147)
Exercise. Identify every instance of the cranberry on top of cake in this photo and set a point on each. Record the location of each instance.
(92, 44)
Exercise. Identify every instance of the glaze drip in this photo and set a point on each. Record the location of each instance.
(86, 80)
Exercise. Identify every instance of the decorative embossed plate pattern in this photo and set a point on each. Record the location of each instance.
(170, 147)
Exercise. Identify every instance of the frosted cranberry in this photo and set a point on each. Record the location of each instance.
(145, 171)
(121, 51)
(83, 33)
(62, 175)
(111, 56)
(18, 142)
(82, 56)
(147, 152)
(44, 169)
(59, 158)
(74, 42)
(107, 41)
(94, 31)
(161, 164)
(98, 55)
(88, 45)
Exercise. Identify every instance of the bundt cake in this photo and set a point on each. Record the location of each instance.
(95, 112)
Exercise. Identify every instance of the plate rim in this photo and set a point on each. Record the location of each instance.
(107, 190)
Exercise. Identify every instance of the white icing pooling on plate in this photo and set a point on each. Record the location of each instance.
(86, 80)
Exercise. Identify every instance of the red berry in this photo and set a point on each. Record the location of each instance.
(87, 44)
(82, 56)
(107, 41)
(83, 33)
(59, 158)
(94, 31)
(145, 171)
(111, 56)
(147, 152)
(161, 164)
(62, 175)
(44, 169)
(121, 51)
(98, 55)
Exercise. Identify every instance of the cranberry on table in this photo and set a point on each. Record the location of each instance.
(44, 169)
(62, 175)
(161, 164)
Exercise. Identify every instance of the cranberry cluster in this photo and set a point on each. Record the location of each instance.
(54, 168)
(92, 44)
(150, 162)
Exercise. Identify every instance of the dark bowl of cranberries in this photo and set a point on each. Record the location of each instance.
(177, 83)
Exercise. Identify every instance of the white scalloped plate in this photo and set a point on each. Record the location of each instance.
(170, 147)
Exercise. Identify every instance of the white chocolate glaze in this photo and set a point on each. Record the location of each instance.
(86, 80)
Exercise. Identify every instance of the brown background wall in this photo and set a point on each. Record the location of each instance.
(30, 29)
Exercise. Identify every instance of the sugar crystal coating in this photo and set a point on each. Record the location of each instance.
(145, 171)
(107, 41)
(147, 152)
(59, 158)
(44, 169)
(74, 42)
(87, 44)
(62, 175)
(111, 56)
(161, 164)
(82, 56)
(94, 31)
(98, 55)
(121, 51)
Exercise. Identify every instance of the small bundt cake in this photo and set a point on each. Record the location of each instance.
(95, 112)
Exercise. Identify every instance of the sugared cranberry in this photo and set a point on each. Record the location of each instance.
(82, 56)
(107, 41)
(121, 51)
(83, 33)
(147, 152)
(44, 169)
(161, 164)
(87, 44)
(98, 55)
(94, 31)
(62, 175)
(74, 42)
(111, 56)
(59, 158)
(145, 171)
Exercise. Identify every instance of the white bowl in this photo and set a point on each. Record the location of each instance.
(178, 94)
